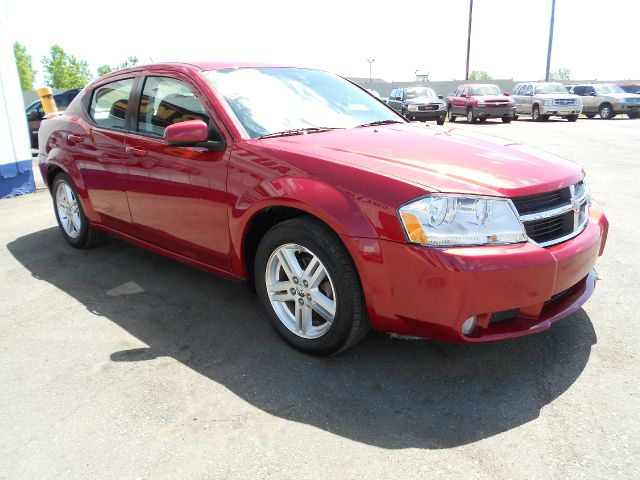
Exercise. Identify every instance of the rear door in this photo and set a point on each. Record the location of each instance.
(98, 152)
(589, 100)
(177, 195)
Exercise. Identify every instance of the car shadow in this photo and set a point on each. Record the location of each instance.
(388, 392)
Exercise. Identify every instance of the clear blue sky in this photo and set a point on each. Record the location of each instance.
(509, 37)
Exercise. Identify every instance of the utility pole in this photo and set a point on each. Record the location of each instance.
(553, 14)
(370, 62)
(466, 75)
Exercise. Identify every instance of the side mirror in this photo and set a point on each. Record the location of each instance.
(192, 133)
(441, 97)
(463, 95)
(506, 94)
(398, 98)
(592, 94)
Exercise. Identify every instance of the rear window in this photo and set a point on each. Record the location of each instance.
(109, 103)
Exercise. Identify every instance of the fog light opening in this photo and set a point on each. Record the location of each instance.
(469, 325)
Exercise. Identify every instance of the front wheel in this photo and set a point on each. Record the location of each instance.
(535, 113)
(440, 121)
(633, 115)
(605, 111)
(470, 117)
(310, 288)
(572, 118)
(450, 116)
(515, 117)
(590, 115)
(74, 224)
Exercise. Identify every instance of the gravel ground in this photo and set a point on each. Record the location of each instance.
(118, 363)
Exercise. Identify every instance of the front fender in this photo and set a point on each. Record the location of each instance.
(338, 209)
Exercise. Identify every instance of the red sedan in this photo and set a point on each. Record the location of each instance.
(336, 210)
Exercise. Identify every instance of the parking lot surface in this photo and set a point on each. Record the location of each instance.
(119, 363)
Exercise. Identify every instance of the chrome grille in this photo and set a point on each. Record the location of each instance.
(556, 216)
(564, 101)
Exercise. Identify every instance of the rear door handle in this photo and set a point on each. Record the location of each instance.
(74, 138)
(138, 152)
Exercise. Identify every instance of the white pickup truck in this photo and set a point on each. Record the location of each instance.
(543, 100)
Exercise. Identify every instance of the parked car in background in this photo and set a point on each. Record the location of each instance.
(480, 102)
(543, 100)
(418, 103)
(338, 211)
(630, 87)
(35, 112)
(607, 100)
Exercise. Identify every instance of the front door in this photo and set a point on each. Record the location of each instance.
(177, 195)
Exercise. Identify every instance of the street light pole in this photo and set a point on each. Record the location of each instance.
(553, 14)
(466, 75)
(370, 62)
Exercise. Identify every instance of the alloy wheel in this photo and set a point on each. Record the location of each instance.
(300, 290)
(68, 210)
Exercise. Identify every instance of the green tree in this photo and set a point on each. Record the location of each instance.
(560, 74)
(65, 71)
(479, 75)
(25, 68)
(104, 69)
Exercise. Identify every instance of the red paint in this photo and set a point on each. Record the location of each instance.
(194, 205)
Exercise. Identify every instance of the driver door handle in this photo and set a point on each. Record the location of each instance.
(138, 152)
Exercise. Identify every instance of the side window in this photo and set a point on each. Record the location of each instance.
(392, 95)
(516, 91)
(528, 90)
(109, 103)
(579, 91)
(589, 90)
(166, 101)
(401, 94)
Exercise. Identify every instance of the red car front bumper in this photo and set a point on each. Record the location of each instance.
(513, 290)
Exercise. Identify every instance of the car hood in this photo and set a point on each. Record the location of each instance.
(424, 100)
(556, 95)
(491, 98)
(438, 158)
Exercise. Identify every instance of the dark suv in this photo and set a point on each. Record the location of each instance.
(35, 113)
(418, 103)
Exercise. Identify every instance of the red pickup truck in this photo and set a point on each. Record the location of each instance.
(479, 102)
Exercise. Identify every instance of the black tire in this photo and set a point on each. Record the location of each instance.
(471, 118)
(87, 236)
(515, 117)
(350, 323)
(482, 119)
(633, 115)
(590, 115)
(544, 118)
(535, 113)
(440, 121)
(572, 118)
(605, 111)
(506, 119)
(450, 116)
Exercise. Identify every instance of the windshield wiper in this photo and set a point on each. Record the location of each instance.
(298, 131)
(379, 122)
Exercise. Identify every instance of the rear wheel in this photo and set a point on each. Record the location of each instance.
(506, 119)
(74, 224)
(450, 116)
(605, 111)
(310, 288)
(470, 116)
(572, 118)
(590, 115)
(633, 115)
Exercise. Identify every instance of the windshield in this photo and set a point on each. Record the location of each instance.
(485, 90)
(608, 89)
(420, 92)
(550, 88)
(271, 100)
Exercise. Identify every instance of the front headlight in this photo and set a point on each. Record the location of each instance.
(548, 101)
(441, 220)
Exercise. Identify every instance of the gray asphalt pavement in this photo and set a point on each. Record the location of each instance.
(119, 363)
